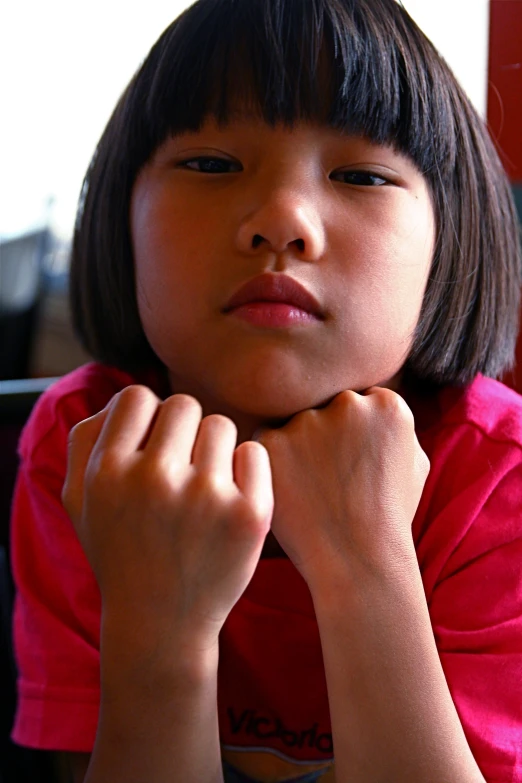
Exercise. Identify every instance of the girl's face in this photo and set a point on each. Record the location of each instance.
(351, 221)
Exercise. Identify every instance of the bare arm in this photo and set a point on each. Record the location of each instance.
(348, 479)
(158, 719)
(172, 518)
(154, 730)
(381, 660)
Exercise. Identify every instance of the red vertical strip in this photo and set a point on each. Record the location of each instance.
(505, 83)
(505, 107)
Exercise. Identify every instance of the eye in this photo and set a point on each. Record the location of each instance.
(359, 178)
(210, 165)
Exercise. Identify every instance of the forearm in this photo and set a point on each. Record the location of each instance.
(393, 718)
(158, 719)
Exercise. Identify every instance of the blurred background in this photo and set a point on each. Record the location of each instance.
(63, 66)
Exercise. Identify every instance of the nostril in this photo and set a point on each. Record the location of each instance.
(258, 239)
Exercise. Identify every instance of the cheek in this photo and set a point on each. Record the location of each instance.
(166, 249)
(411, 253)
(156, 269)
(385, 276)
(389, 257)
(163, 224)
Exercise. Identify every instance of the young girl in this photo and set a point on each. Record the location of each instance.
(291, 544)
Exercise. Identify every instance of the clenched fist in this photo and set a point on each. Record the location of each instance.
(171, 515)
(347, 481)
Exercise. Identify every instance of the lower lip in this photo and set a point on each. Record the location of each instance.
(273, 314)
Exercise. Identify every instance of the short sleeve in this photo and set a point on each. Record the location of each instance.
(57, 610)
(56, 615)
(476, 614)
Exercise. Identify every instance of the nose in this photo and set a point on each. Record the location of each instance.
(283, 223)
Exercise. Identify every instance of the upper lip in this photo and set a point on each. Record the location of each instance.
(274, 288)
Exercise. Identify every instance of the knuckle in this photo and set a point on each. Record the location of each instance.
(402, 409)
(135, 394)
(137, 390)
(185, 402)
(76, 432)
(347, 398)
(394, 405)
(208, 484)
(346, 404)
(81, 429)
(220, 422)
(255, 446)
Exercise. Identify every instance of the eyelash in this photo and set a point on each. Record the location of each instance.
(371, 180)
(206, 159)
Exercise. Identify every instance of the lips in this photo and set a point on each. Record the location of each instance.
(275, 288)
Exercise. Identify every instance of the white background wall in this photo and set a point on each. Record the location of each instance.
(460, 31)
(64, 64)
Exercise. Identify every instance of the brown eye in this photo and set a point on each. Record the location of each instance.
(360, 178)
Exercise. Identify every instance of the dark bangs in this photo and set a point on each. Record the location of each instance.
(357, 66)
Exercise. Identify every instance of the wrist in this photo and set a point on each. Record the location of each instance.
(143, 656)
(351, 577)
(158, 709)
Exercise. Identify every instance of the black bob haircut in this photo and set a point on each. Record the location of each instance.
(362, 66)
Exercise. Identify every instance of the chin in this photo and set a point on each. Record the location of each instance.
(279, 405)
(276, 408)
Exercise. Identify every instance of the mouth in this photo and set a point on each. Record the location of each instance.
(274, 300)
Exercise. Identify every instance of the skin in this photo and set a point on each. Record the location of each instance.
(172, 501)
(364, 251)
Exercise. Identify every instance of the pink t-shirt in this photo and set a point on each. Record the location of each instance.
(272, 698)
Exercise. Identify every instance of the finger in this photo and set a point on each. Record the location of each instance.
(82, 439)
(175, 429)
(129, 420)
(214, 447)
(253, 476)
